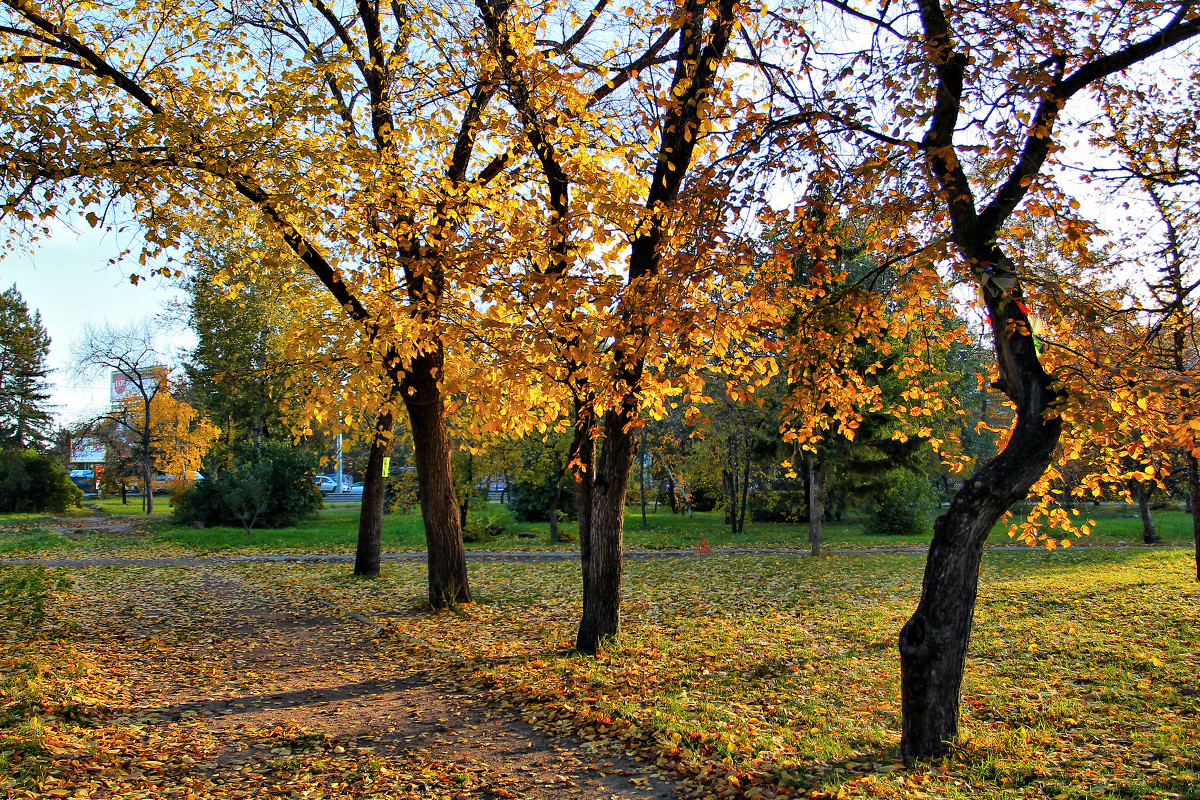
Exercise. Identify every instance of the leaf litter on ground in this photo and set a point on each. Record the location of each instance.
(771, 676)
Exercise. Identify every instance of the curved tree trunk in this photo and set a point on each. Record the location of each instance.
(933, 643)
(370, 517)
(582, 460)
(431, 453)
(602, 576)
(1149, 534)
(1193, 480)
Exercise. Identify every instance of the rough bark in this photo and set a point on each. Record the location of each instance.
(431, 453)
(1194, 493)
(370, 518)
(741, 522)
(816, 503)
(583, 468)
(933, 643)
(1149, 534)
(602, 578)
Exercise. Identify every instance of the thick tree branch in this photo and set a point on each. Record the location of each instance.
(90, 58)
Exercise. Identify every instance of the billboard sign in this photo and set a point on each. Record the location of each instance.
(87, 451)
(123, 387)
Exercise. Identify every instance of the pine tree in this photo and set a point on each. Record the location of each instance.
(25, 419)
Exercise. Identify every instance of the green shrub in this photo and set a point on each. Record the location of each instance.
(567, 534)
(401, 492)
(530, 502)
(264, 486)
(784, 500)
(705, 497)
(33, 481)
(483, 528)
(905, 507)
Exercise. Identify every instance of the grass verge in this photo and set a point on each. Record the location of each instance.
(110, 528)
(777, 676)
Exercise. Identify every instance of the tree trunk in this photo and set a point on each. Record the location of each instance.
(464, 505)
(816, 503)
(148, 483)
(671, 496)
(582, 458)
(1193, 493)
(431, 455)
(730, 502)
(602, 578)
(1149, 535)
(933, 643)
(741, 525)
(147, 458)
(370, 515)
(642, 476)
(555, 496)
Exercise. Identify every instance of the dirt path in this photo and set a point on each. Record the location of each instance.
(221, 691)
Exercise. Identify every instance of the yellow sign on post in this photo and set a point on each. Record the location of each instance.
(387, 465)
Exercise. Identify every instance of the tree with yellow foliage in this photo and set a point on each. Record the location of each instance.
(963, 113)
(358, 136)
(147, 427)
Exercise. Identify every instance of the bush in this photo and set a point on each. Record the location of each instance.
(401, 491)
(530, 502)
(482, 529)
(705, 498)
(905, 507)
(566, 535)
(785, 500)
(33, 481)
(264, 486)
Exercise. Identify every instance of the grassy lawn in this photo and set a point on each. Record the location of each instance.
(750, 674)
(738, 671)
(335, 528)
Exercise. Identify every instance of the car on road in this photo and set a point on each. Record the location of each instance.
(356, 490)
(325, 484)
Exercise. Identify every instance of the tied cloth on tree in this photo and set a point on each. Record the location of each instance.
(1003, 280)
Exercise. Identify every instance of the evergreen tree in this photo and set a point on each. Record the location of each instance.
(25, 419)
(238, 370)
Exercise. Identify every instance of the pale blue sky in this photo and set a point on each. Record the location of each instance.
(69, 280)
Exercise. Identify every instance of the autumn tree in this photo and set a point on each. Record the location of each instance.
(237, 305)
(132, 358)
(1159, 179)
(946, 87)
(25, 418)
(351, 132)
(864, 351)
(623, 149)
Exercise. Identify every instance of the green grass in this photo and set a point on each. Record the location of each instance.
(774, 671)
(1081, 678)
(99, 527)
(335, 530)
